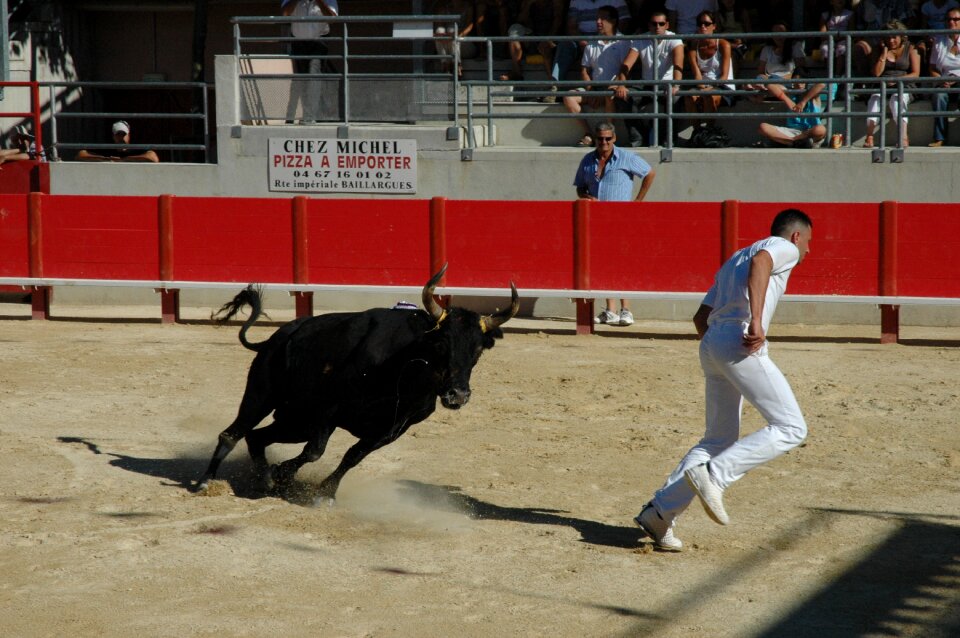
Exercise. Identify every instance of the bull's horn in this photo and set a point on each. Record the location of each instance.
(499, 318)
(429, 303)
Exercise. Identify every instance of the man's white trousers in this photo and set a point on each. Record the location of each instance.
(731, 375)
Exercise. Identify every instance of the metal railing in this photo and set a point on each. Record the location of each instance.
(853, 86)
(66, 105)
(387, 54)
(481, 95)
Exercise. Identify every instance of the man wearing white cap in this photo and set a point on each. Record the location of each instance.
(309, 54)
(121, 135)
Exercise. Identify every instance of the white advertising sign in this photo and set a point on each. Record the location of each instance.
(305, 165)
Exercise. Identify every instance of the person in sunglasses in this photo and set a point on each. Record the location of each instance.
(660, 58)
(606, 174)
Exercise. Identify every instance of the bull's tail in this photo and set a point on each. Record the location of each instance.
(249, 296)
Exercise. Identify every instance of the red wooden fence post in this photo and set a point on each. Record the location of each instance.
(39, 295)
(301, 264)
(169, 297)
(581, 264)
(438, 242)
(729, 228)
(887, 280)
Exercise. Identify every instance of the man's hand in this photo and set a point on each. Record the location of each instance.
(620, 92)
(754, 339)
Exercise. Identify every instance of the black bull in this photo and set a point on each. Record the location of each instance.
(372, 373)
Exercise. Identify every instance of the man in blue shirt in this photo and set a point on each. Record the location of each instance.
(607, 174)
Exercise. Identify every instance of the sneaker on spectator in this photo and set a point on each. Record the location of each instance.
(607, 317)
(804, 143)
(653, 525)
(626, 317)
(550, 99)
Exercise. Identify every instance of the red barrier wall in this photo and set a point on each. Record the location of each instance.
(14, 238)
(630, 246)
(652, 246)
(368, 241)
(490, 244)
(88, 237)
(844, 253)
(928, 248)
(241, 240)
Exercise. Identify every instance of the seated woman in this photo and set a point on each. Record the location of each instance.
(894, 57)
(779, 60)
(709, 59)
(839, 17)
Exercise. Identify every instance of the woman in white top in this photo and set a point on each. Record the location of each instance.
(945, 62)
(710, 59)
(779, 60)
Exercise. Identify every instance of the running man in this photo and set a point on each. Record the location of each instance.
(732, 324)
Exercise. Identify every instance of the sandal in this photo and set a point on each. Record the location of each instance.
(868, 141)
(586, 140)
(512, 76)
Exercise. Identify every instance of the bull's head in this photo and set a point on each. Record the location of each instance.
(462, 337)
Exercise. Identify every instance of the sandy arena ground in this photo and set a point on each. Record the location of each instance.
(511, 517)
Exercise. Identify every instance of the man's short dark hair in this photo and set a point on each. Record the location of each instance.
(611, 12)
(787, 219)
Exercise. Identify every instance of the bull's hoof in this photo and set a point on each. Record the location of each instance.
(201, 486)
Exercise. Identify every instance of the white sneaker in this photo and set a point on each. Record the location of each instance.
(607, 317)
(653, 525)
(711, 495)
(626, 317)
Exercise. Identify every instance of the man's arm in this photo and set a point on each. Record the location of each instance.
(326, 9)
(625, 67)
(677, 66)
(646, 184)
(700, 319)
(87, 156)
(759, 278)
(146, 156)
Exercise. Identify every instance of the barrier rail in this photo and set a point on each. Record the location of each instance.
(887, 253)
(66, 105)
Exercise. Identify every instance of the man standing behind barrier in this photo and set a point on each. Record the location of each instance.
(606, 174)
(732, 324)
(309, 51)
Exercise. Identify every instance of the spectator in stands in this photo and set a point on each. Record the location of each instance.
(601, 63)
(838, 18)
(606, 174)
(582, 20)
(778, 61)
(308, 51)
(121, 135)
(659, 60)
(872, 15)
(733, 17)
(534, 17)
(23, 147)
(945, 63)
(933, 14)
(683, 13)
(467, 25)
(803, 130)
(894, 57)
(709, 59)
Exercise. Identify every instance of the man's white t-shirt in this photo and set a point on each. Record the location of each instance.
(310, 9)
(645, 49)
(729, 296)
(603, 58)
